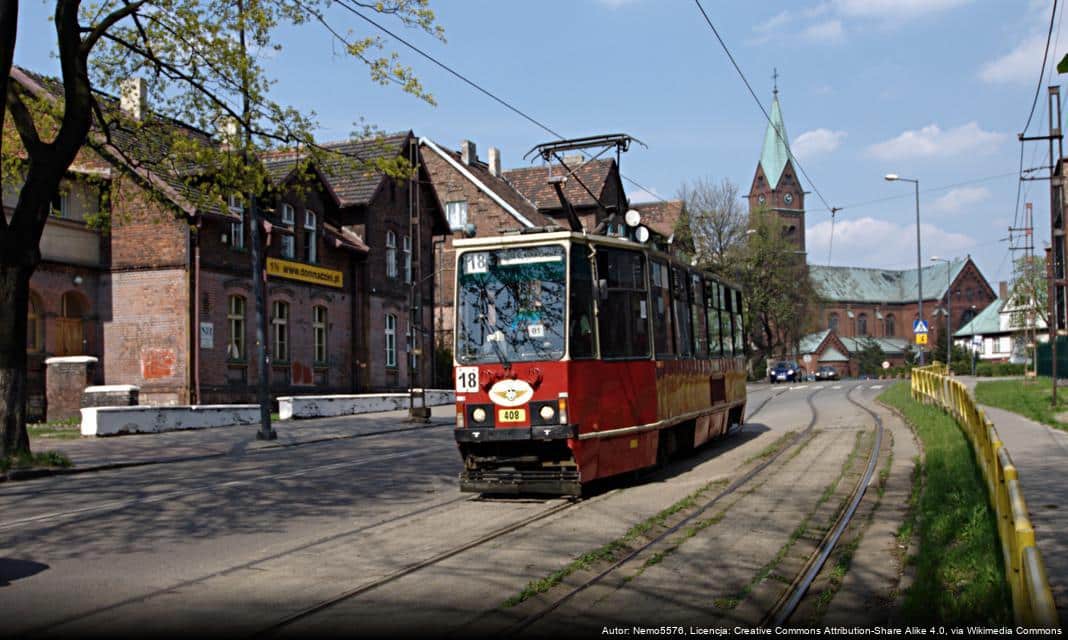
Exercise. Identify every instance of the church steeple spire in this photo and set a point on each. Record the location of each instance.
(775, 187)
(775, 154)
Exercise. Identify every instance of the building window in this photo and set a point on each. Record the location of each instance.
(832, 322)
(391, 255)
(1004, 344)
(456, 212)
(34, 334)
(288, 215)
(407, 259)
(280, 324)
(61, 206)
(309, 237)
(288, 246)
(391, 340)
(890, 328)
(862, 324)
(319, 331)
(237, 229)
(235, 317)
(967, 316)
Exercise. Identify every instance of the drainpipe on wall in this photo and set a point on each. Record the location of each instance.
(194, 238)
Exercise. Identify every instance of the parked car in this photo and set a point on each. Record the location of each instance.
(827, 373)
(784, 371)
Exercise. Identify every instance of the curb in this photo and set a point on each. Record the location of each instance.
(16, 475)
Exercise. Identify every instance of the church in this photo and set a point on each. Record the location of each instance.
(856, 304)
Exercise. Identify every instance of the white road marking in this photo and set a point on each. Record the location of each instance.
(876, 386)
(837, 386)
(817, 388)
(804, 386)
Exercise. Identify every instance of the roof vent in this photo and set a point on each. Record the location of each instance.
(134, 98)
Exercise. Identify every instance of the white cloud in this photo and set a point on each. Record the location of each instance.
(771, 27)
(932, 142)
(1019, 66)
(895, 9)
(871, 242)
(816, 142)
(956, 200)
(645, 195)
(830, 31)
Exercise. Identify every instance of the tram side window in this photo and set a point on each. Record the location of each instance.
(680, 288)
(725, 322)
(661, 300)
(623, 318)
(697, 317)
(739, 331)
(715, 347)
(580, 334)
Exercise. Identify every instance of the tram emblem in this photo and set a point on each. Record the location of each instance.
(511, 393)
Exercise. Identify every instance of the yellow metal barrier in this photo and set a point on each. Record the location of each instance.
(1032, 600)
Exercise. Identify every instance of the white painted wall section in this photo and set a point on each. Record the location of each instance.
(110, 421)
(348, 405)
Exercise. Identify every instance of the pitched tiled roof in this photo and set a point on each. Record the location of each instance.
(533, 183)
(660, 216)
(859, 284)
(503, 189)
(357, 187)
(890, 346)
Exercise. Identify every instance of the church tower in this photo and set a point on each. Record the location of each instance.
(776, 189)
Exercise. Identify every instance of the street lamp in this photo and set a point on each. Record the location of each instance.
(893, 177)
(949, 311)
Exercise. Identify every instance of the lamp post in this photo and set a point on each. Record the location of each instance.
(949, 312)
(893, 177)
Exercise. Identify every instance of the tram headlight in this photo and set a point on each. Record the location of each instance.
(547, 413)
(479, 415)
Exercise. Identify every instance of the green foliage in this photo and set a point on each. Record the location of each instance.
(988, 369)
(27, 460)
(959, 573)
(1031, 398)
(870, 358)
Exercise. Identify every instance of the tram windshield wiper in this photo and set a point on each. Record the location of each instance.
(491, 337)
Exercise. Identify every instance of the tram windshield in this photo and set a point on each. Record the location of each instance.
(511, 305)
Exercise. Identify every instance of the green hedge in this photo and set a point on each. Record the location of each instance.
(988, 369)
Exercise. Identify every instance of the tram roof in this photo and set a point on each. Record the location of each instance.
(553, 237)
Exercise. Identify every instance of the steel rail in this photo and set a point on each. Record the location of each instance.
(731, 488)
(787, 604)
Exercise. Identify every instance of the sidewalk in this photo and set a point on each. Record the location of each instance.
(175, 446)
(1040, 453)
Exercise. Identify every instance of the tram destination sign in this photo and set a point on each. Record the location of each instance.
(304, 273)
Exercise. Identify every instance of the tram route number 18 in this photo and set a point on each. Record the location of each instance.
(466, 379)
(476, 262)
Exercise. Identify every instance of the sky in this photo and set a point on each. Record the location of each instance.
(935, 90)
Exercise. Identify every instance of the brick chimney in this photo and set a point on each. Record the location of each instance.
(468, 153)
(134, 98)
(1003, 290)
(495, 162)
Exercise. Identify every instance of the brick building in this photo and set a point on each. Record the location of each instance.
(163, 298)
(856, 304)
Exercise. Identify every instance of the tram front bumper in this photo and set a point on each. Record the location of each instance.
(490, 434)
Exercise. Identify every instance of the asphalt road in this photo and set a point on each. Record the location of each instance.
(238, 544)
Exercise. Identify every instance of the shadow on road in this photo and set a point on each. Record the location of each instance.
(12, 569)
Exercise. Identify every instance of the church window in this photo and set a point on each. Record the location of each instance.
(832, 322)
(862, 324)
(890, 328)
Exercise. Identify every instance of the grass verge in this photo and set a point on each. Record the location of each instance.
(35, 460)
(1030, 398)
(959, 573)
(56, 429)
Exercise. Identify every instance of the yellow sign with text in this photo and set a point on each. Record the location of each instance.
(304, 272)
(921, 338)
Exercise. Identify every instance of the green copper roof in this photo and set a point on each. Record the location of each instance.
(775, 154)
(988, 321)
(860, 284)
(812, 341)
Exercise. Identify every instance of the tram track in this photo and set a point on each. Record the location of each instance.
(787, 604)
(532, 618)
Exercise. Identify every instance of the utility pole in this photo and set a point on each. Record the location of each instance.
(416, 333)
(259, 274)
(1055, 254)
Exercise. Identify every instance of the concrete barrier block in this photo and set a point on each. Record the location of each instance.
(108, 421)
(296, 407)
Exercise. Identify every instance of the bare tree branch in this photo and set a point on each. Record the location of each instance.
(109, 21)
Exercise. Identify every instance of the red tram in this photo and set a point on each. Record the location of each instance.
(580, 357)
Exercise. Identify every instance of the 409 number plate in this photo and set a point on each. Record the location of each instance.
(511, 415)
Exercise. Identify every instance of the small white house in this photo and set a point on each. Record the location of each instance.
(1000, 333)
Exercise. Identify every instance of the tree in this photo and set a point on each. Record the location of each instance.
(870, 358)
(716, 218)
(778, 293)
(198, 58)
(1029, 299)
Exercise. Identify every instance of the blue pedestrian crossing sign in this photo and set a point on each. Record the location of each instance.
(919, 326)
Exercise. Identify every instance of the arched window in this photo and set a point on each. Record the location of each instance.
(832, 322)
(890, 328)
(391, 255)
(967, 317)
(280, 324)
(235, 318)
(34, 324)
(862, 324)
